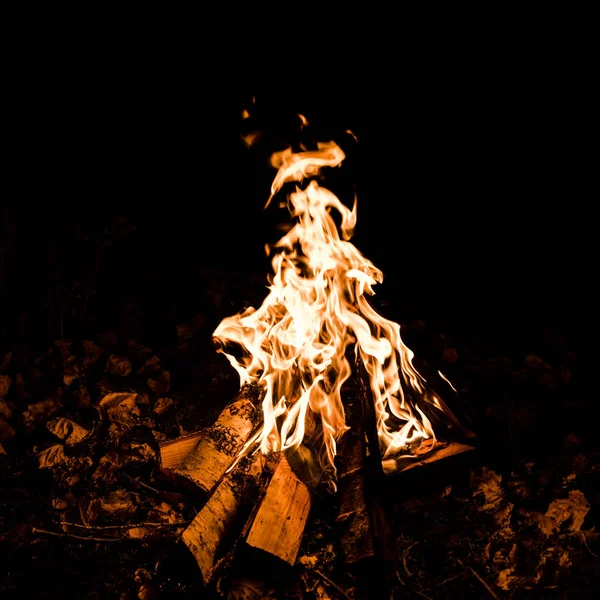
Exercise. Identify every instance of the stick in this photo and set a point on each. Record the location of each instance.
(334, 585)
(72, 536)
(483, 583)
(130, 526)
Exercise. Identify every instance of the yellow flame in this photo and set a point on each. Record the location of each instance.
(296, 343)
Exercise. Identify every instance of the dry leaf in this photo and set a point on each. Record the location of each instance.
(137, 349)
(184, 332)
(569, 511)
(162, 384)
(92, 351)
(5, 361)
(118, 365)
(486, 485)
(119, 502)
(38, 411)
(152, 365)
(2, 450)
(71, 370)
(55, 455)
(5, 382)
(120, 408)
(162, 405)
(5, 410)
(68, 431)
(6, 431)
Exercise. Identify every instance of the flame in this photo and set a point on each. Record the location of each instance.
(301, 343)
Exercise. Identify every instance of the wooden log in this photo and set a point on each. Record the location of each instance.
(204, 461)
(280, 521)
(173, 453)
(440, 451)
(216, 521)
(353, 520)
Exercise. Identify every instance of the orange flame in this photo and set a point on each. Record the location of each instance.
(295, 344)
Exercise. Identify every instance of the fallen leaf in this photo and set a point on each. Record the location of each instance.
(162, 405)
(152, 365)
(118, 502)
(92, 351)
(55, 455)
(184, 332)
(118, 365)
(162, 384)
(5, 382)
(2, 450)
(137, 349)
(121, 408)
(71, 370)
(487, 489)
(5, 361)
(38, 411)
(68, 431)
(6, 431)
(569, 512)
(5, 410)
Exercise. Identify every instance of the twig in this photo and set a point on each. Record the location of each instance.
(75, 537)
(334, 585)
(586, 544)
(461, 574)
(483, 583)
(422, 595)
(130, 526)
(404, 556)
(399, 578)
(142, 483)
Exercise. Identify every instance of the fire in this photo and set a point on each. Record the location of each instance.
(315, 324)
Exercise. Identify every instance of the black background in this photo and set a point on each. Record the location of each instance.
(468, 182)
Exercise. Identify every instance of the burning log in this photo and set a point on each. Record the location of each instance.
(215, 522)
(204, 458)
(364, 531)
(279, 523)
(440, 451)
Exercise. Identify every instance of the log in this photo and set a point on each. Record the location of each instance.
(353, 519)
(204, 461)
(280, 521)
(173, 453)
(216, 521)
(362, 520)
(440, 451)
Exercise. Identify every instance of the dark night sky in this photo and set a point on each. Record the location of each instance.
(467, 187)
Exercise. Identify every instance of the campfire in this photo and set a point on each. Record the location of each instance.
(320, 371)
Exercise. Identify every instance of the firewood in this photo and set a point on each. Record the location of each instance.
(354, 520)
(174, 453)
(214, 523)
(279, 523)
(440, 451)
(204, 461)
(364, 530)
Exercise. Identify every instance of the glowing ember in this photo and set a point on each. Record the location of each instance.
(299, 344)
